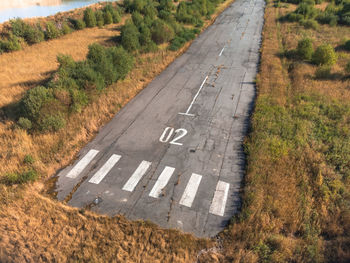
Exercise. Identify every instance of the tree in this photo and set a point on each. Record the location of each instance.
(325, 55)
(89, 17)
(130, 37)
(305, 49)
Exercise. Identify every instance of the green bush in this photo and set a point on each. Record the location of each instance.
(18, 27)
(323, 72)
(79, 100)
(24, 123)
(305, 49)
(309, 24)
(28, 159)
(108, 18)
(145, 35)
(13, 43)
(325, 55)
(66, 29)
(166, 5)
(33, 101)
(52, 123)
(89, 17)
(51, 31)
(100, 21)
(150, 11)
(86, 77)
(122, 61)
(114, 12)
(21, 178)
(34, 35)
(347, 45)
(161, 32)
(137, 18)
(306, 10)
(79, 24)
(130, 37)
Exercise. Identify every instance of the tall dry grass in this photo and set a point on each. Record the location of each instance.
(35, 228)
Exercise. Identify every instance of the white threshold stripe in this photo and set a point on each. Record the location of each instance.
(222, 50)
(191, 190)
(220, 197)
(162, 181)
(81, 165)
(100, 174)
(136, 176)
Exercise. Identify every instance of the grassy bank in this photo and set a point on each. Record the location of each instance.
(297, 188)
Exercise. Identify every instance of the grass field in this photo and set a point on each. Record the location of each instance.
(296, 193)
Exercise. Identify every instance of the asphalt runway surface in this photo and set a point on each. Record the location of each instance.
(174, 154)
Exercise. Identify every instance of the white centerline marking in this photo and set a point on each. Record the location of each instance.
(220, 197)
(222, 50)
(100, 174)
(191, 190)
(136, 176)
(80, 166)
(162, 181)
(194, 99)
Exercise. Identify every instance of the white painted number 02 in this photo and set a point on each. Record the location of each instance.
(168, 133)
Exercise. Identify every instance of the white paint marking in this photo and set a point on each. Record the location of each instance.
(81, 165)
(220, 197)
(100, 174)
(186, 114)
(136, 176)
(194, 98)
(222, 50)
(162, 181)
(191, 190)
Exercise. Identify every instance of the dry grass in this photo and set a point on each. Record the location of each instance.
(34, 228)
(287, 214)
(27, 68)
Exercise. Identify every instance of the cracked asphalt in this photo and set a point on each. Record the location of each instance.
(174, 154)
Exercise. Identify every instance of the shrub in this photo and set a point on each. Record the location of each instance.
(66, 29)
(86, 77)
(145, 35)
(305, 49)
(306, 10)
(323, 72)
(79, 24)
(96, 54)
(33, 100)
(18, 27)
(79, 100)
(51, 31)
(28, 159)
(116, 16)
(347, 45)
(130, 37)
(100, 21)
(52, 123)
(122, 61)
(108, 18)
(89, 17)
(34, 35)
(161, 32)
(137, 18)
(325, 55)
(21, 178)
(150, 11)
(309, 24)
(165, 15)
(166, 5)
(24, 123)
(177, 43)
(12, 44)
